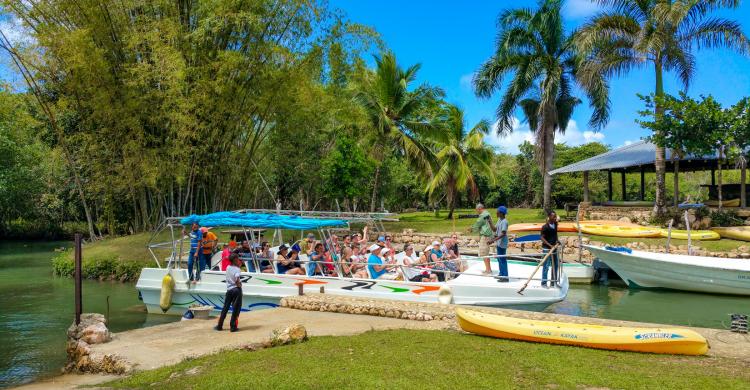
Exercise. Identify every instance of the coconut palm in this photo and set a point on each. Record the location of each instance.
(660, 33)
(534, 49)
(459, 157)
(397, 115)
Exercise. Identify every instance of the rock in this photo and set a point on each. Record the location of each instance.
(745, 255)
(292, 334)
(624, 220)
(96, 333)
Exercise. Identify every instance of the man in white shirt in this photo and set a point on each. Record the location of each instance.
(234, 294)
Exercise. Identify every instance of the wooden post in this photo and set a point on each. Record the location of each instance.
(643, 183)
(585, 186)
(743, 179)
(624, 190)
(78, 275)
(713, 176)
(676, 182)
(609, 185)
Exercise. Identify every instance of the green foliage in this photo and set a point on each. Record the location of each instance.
(726, 217)
(98, 267)
(346, 170)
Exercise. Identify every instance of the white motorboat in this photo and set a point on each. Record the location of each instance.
(679, 272)
(261, 290)
(577, 273)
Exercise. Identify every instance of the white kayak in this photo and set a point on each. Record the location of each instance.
(679, 272)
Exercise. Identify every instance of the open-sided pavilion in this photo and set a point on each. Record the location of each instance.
(640, 157)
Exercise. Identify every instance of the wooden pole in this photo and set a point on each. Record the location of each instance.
(609, 185)
(643, 183)
(676, 182)
(743, 179)
(713, 176)
(585, 186)
(78, 275)
(551, 251)
(622, 183)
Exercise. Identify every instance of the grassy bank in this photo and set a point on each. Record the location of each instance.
(439, 359)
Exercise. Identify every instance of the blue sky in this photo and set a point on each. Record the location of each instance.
(451, 39)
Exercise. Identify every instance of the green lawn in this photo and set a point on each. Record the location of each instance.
(439, 359)
(427, 222)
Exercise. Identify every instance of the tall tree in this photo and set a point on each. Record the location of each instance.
(457, 159)
(534, 48)
(662, 34)
(397, 115)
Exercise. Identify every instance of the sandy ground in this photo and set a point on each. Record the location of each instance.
(161, 345)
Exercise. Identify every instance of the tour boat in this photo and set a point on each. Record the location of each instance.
(679, 272)
(262, 290)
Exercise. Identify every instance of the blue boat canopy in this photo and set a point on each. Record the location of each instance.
(268, 221)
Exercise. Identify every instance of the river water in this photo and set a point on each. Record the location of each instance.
(36, 309)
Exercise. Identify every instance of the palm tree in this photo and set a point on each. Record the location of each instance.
(659, 33)
(457, 159)
(533, 47)
(397, 115)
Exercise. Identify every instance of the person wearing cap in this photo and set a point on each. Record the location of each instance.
(195, 238)
(483, 226)
(375, 264)
(233, 297)
(501, 242)
(435, 257)
(205, 251)
(286, 264)
(228, 249)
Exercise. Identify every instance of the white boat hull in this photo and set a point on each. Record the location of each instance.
(678, 272)
(265, 290)
(577, 273)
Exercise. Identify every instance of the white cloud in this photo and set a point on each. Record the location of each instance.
(579, 9)
(465, 81)
(509, 143)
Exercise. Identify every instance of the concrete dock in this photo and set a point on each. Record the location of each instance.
(321, 315)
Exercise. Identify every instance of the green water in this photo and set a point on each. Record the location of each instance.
(37, 309)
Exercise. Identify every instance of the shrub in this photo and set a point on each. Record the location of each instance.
(97, 267)
(726, 217)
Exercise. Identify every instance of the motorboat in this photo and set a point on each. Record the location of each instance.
(263, 290)
(678, 272)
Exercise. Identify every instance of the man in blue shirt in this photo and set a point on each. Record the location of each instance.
(501, 239)
(195, 238)
(375, 264)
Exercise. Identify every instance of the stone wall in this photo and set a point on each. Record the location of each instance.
(640, 215)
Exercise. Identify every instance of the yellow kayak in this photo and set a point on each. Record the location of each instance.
(655, 340)
(735, 232)
(702, 235)
(724, 203)
(620, 231)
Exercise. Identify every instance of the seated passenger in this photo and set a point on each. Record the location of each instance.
(412, 272)
(265, 255)
(317, 257)
(246, 255)
(436, 261)
(228, 250)
(359, 260)
(377, 267)
(286, 264)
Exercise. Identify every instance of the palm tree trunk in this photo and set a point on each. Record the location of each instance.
(660, 167)
(374, 198)
(718, 178)
(451, 198)
(549, 155)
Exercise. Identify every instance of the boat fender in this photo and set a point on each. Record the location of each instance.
(445, 295)
(189, 315)
(167, 285)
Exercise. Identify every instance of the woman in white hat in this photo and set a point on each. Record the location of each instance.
(377, 267)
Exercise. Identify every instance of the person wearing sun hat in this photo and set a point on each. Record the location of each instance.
(501, 242)
(378, 269)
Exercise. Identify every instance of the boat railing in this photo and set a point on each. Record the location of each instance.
(257, 261)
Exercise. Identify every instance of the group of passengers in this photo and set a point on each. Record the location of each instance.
(351, 256)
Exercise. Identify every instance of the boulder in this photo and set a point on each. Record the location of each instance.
(292, 334)
(96, 333)
(624, 220)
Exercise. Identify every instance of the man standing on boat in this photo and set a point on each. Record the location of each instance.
(195, 238)
(483, 226)
(501, 237)
(549, 241)
(234, 294)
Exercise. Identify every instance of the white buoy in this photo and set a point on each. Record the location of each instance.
(445, 295)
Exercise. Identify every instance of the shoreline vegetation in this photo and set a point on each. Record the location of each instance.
(121, 258)
(448, 358)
